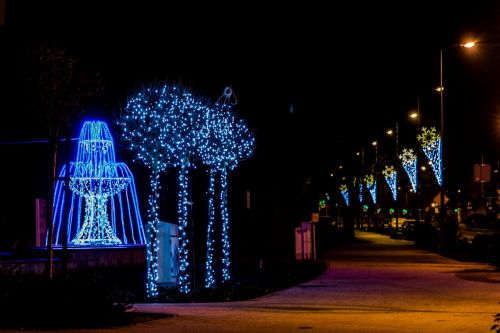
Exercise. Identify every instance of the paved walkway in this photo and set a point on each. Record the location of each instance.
(375, 285)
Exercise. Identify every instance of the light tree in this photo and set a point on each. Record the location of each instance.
(145, 125)
(164, 128)
(187, 134)
(228, 141)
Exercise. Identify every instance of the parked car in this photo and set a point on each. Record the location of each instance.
(408, 229)
(396, 230)
(476, 225)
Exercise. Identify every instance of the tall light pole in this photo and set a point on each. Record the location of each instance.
(440, 89)
(396, 200)
(441, 165)
(415, 115)
(375, 145)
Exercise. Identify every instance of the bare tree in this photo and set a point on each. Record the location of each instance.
(62, 88)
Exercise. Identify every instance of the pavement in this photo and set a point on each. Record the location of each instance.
(376, 284)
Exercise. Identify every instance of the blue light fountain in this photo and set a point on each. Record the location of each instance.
(98, 184)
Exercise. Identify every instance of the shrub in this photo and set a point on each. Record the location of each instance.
(84, 299)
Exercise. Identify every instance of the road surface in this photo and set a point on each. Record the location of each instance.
(375, 285)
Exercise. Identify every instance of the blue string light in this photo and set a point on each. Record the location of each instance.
(409, 159)
(431, 145)
(390, 175)
(147, 125)
(98, 184)
(371, 185)
(360, 185)
(227, 142)
(345, 193)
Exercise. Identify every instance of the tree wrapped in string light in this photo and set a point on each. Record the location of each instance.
(228, 141)
(345, 193)
(371, 185)
(409, 159)
(390, 175)
(360, 186)
(431, 145)
(146, 124)
(187, 133)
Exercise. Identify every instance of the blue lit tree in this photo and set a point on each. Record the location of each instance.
(146, 125)
(228, 141)
(187, 132)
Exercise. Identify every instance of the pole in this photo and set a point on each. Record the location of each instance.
(419, 209)
(67, 194)
(441, 94)
(397, 170)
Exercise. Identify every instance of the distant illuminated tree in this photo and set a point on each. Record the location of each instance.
(431, 145)
(360, 192)
(227, 142)
(390, 176)
(409, 159)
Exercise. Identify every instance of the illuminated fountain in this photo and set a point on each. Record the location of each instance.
(98, 184)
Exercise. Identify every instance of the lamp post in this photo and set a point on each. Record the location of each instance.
(440, 89)
(375, 145)
(415, 115)
(396, 200)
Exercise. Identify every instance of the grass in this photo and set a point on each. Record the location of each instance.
(250, 282)
(103, 297)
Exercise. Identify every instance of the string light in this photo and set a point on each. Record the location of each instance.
(147, 124)
(409, 159)
(431, 145)
(98, 184)
(227, 142)
(169, 127)
(371, 185)
(345, 193)
(390, 175)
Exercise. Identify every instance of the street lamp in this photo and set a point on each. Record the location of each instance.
(440, 89)
(390, 132)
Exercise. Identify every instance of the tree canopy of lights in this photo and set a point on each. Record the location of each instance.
(431, 145)
(96, 177)
(228, 141)
(165, 126)
(146, 126)
(186, 133)
(409, 161)
(390, 175)
(345, 193)
(371, 185)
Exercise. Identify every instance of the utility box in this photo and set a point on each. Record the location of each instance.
(168, 254)
(303, 241)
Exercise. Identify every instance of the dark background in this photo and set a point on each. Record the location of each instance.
(317, 82)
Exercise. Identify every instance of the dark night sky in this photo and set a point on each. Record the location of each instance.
(350, 68)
